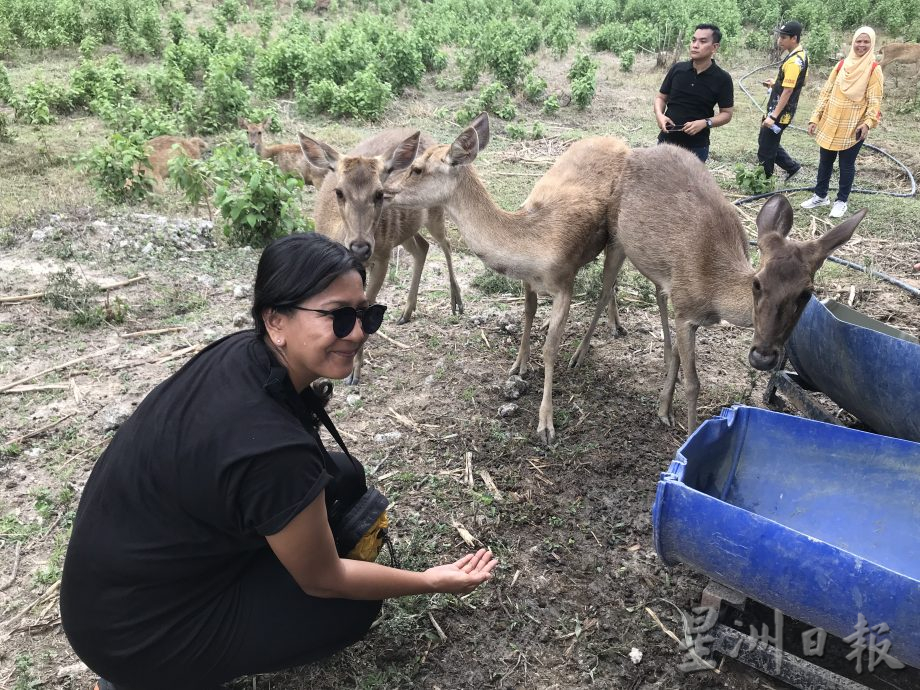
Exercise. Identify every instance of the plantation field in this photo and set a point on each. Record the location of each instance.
(134, 279)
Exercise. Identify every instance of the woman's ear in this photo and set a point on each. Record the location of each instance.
(275, 323)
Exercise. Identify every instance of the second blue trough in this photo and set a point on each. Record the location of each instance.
(819, 521)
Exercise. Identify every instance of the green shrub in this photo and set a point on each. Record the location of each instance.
(551, 105)
(40, 101)
(256, 200)
(560, 34)
(6, 136)
(222, 98)
(491, 283)
(534, 88)
(6, 90)
(627, 58)
(175, 25)
(516, 131)
(753, 180)
(117, 168)
(583, 79)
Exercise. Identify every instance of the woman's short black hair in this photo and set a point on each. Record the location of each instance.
(296, 267)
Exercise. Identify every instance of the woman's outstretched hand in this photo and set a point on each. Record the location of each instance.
(463, 576)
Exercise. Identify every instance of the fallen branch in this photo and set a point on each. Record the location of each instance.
(40, 431)
(437, 628)
(39, 387)
(12, 578)
(153, 331)
(58, 368)
(39, 295)
(394, 342)
(191, 349)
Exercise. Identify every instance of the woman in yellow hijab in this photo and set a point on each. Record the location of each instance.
(849, 106)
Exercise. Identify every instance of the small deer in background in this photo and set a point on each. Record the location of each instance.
(350, 209)
(908, 53)
(288, 157)
(164, 148)
(676, 227)
(560, 227)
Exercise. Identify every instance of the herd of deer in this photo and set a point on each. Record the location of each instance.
(657, 207)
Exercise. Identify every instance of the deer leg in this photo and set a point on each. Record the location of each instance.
(662, 300)
(418, 248)
(439, 233)
(613, 260)
(560, 313)
(376, 272)
(522, 363)
(686, 352)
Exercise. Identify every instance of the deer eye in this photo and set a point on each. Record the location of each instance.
(339, 195)
(378, 196)
(414, 171)
(757, 287)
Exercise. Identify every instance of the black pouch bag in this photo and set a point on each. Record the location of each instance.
(357, 514)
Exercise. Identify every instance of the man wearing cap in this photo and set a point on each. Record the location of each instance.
(784, 97)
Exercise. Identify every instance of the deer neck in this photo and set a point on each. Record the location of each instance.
(735, 302)
(489, 231)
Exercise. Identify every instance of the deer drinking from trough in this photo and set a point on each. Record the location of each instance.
(676, 227)
(288, 157)
(350, 209)
(561, 226)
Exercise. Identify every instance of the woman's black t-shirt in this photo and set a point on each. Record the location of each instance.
(212, 461)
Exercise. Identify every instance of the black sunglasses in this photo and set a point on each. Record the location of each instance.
(343, 318)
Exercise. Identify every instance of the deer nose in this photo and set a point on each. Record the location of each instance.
(764, 359)
(362, 250)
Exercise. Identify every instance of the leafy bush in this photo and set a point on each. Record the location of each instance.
(583, 78)
(118, 167)
(627, 58)
(6, 91)
(516, 131)
(534, 88)
(40, 101)
(560, 34)
(551, 105)
(753, 181)
(223, 97)
(256, 200)
(6, 136)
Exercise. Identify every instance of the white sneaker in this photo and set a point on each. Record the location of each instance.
(816, 201)
(840, 208)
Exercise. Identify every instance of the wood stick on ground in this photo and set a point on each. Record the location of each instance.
(39, 295)
(468, 469)
(490, 484)
(39, 431)
(19, 382)
(153, 331)
(394, 342)
(28, 607)
(6, 584)
(39, 387)
(191, 349)
(437, 628)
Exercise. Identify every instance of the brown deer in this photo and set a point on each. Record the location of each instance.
(288, 157)
(350, 209)
(162, 149)
(908, 53)
(675, 226)
(560, 227)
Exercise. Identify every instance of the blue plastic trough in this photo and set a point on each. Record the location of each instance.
(867, 367)
(819, 521)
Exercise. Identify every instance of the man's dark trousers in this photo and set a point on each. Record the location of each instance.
(770, 153)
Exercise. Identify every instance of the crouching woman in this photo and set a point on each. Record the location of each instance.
(201, 549)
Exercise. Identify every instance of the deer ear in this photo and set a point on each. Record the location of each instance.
(464, 149)
(266, 122)
(775, 216)
(481, 125)
(317, 153)
(403, 155)
(242, 122)
(822, 247)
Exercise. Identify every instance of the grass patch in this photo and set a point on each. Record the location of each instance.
(491, 283)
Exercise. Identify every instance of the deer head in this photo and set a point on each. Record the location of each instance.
(359, 186)
(433, 176)
(783, 284)
(254, 130)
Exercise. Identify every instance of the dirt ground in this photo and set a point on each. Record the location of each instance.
(579, 586)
